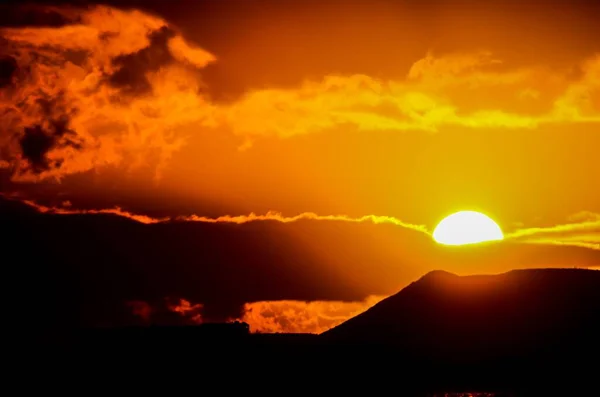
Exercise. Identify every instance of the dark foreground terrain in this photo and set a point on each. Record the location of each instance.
(522, 333)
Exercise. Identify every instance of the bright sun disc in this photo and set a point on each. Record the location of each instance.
(467, 227)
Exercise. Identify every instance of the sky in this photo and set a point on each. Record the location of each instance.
(284, 163)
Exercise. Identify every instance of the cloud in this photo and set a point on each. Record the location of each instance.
(141, 309)
(579, 102)
(65, 210)
(186, 309)
(288, 316)
(444, 71)
(110, 87)
(302, 317)
(582, 231)
(467, 90)
(237, 219)
(584, 216)
(360, 101)
(113, 87)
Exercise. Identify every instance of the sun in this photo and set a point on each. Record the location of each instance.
(467, 227)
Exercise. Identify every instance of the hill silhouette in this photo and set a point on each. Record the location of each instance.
(523, 327)
(449, 313)
(530, 332)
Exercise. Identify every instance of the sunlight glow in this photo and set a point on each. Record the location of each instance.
(467, 227)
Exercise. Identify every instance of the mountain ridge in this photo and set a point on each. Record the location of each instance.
(540, 299)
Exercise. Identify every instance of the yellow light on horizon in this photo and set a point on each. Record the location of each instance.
(467, 227)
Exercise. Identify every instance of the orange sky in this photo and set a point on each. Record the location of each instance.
(383, 109)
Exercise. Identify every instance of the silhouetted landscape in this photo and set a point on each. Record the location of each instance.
(527, 331)
(288, 197)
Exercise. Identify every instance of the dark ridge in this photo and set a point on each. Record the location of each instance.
(489, 296)
(436, 274)
(529, 332)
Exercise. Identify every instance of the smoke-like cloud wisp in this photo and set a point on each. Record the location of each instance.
(583, 230)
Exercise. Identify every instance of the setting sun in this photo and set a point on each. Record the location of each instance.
(467, 227)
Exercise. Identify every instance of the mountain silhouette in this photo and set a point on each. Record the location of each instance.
(522, 333)
(523, 327)
(450, 313)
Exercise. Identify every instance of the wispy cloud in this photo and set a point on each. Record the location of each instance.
(111, 211)
(434, 94)
(236, 219)
(583, 230)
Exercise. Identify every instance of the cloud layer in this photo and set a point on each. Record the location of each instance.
(580, 230)
(124, 88)
(110, 87)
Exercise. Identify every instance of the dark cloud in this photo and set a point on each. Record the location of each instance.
(53, 131)
(131, 75)
(34, 145)
(95, 92)
(8, 68)
(20, 13)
